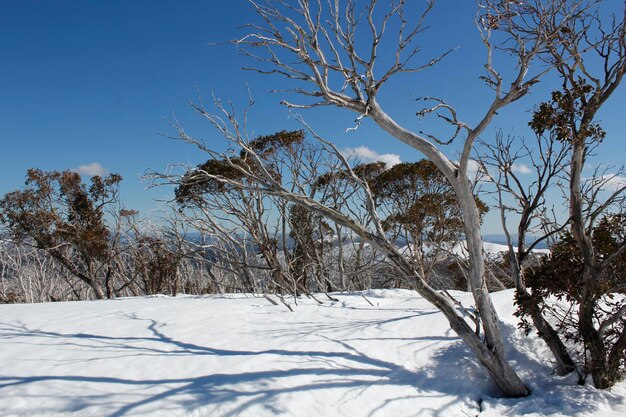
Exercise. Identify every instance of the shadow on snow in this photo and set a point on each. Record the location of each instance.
(451, 372)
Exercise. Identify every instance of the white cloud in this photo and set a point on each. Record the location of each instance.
(473, 169)
(91, 169)
(365, 155)
(613, 182)
(521, 169)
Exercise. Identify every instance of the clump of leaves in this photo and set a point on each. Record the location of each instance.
(57, 208)
(208, 178)
(422, 201)
(555, 116)
(365, 172)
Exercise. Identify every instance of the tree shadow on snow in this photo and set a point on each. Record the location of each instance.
(451, 372)
(345, 368)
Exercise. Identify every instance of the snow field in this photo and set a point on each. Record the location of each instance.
(238, 355)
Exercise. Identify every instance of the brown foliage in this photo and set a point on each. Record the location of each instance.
(560, 276)
(57, 208)
(198, 182)
(421, 201)
(556, 115)
(159, 265)
(58, 213)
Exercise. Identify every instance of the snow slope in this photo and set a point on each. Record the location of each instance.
(492, 250)
(236, 355)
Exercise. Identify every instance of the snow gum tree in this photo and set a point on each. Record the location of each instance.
(333, 49)
(588, 335)
(245, 208)
(343, 54)
(291, 246)
(596, 227)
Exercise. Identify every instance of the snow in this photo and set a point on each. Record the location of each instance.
(492, 250)
(238, 355)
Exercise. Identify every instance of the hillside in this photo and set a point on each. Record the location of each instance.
(238, 355)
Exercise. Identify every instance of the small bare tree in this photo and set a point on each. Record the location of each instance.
(521, 191)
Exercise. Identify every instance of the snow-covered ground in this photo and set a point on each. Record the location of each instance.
(241, 356)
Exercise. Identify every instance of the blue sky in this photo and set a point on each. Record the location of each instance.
(95, 83)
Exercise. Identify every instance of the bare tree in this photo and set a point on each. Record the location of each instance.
(525, 198)
(28, 275)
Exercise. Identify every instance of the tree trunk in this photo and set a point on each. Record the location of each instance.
(493, 360)
(490, 353)
(616, 356)
(476, 273)
(590, 335)
(97, 289)
(565, 363)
